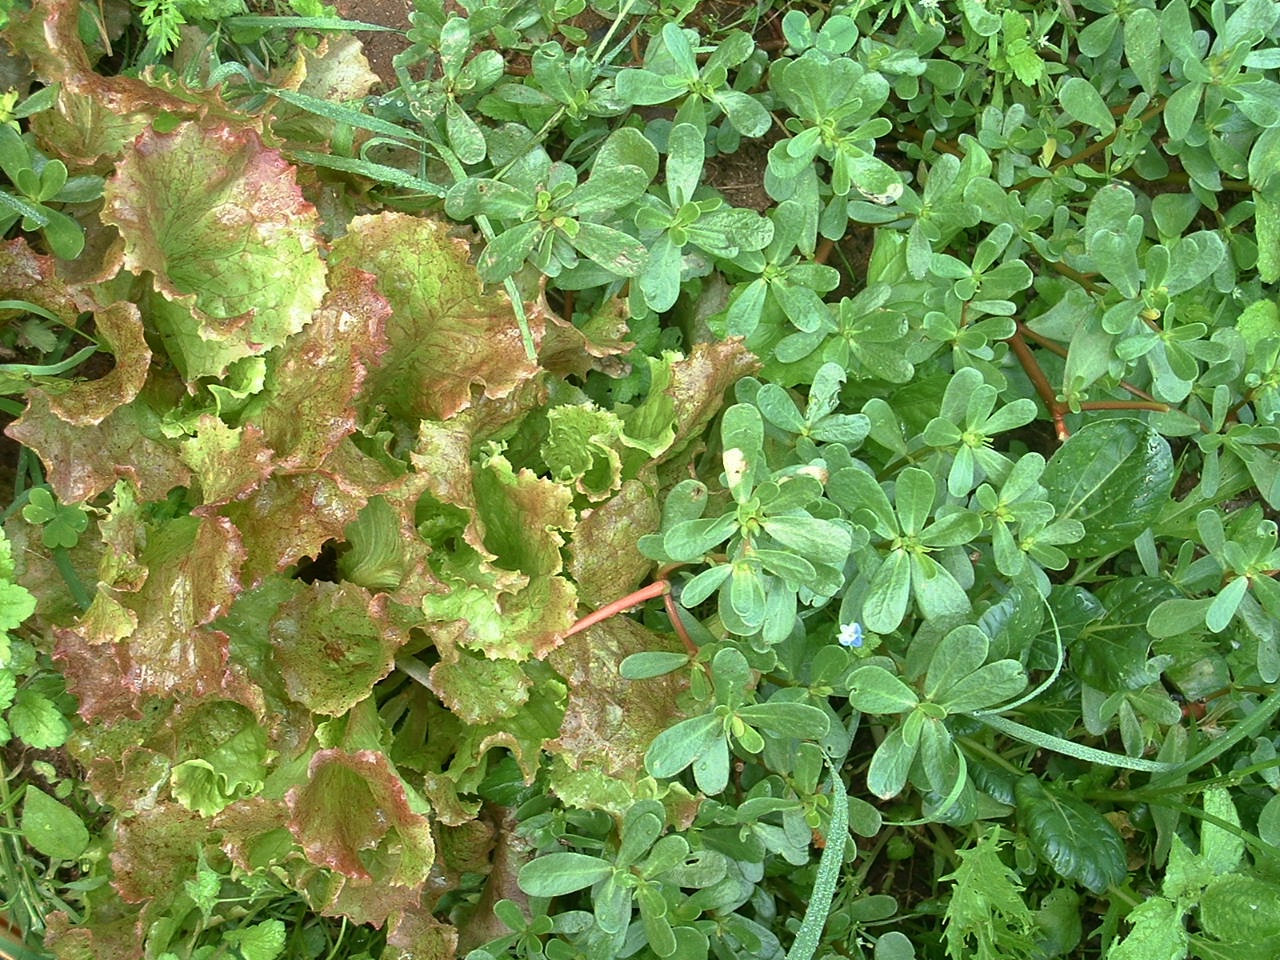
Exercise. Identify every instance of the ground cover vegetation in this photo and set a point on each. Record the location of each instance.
(632, 479)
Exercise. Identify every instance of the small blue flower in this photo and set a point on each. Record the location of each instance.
(851, 634)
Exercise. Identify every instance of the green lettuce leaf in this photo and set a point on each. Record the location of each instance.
(445, 334)
(80, 463)
(95, 115)
(292, 516)
(229, 462)
(507, 599)
(480, 690)
(161, 585)
(604, 561)
(219, 221)
(332, 643)
(609, 722)
(308, 406)
(582, 448)
(353, 815)
(155, 852)
(227, 750)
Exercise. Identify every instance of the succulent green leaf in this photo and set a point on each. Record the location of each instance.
(857, 492)
(873, 689)
(937, 592)
(782, 719)
(704, 584)
(742, 434)
(711, 768)
(890, 765)
(819, 540)
(645, 87)
(985, 687)
(889, 593)
(617, 252)
(1082, 102)
(555, 874)
(677, 747)
(1223, 607)
(1178, 615)
(1181, 109)
(659, 279)
(745, 113)
(643, 825)
(651, 663)
(961, 652)
(690, 540)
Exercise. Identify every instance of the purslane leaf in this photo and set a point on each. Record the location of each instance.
(677, 747)
(799, 720)
(1085, 105)
(556, 874)
(889, 593)
(872, 689)
(890, 765)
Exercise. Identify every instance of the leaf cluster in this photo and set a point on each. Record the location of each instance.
(939, 460)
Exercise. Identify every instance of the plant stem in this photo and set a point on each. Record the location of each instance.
(988, 754)
(669, 603)
(1039, 381)
(1156, 108)
(656, 589)
(13, 868)
(62, 560)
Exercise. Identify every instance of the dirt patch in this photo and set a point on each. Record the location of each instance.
(381, 47)
(740, 175)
